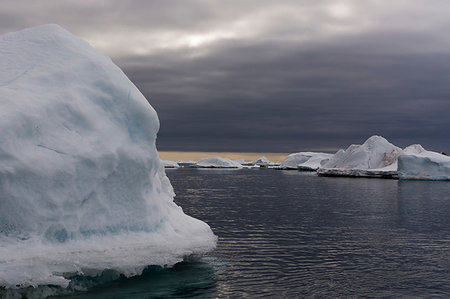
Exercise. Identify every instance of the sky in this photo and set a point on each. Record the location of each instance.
(272, 76)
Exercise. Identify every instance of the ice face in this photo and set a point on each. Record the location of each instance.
(81, 185)
(418, 163)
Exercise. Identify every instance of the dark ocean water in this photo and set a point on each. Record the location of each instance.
(293, 234)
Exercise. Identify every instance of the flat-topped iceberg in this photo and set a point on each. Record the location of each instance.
(417, 163)
(308, 161)
(217, 162)
(82, 188)
(186, 163)
(376, 157)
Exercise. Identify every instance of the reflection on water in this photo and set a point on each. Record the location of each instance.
(293, 234)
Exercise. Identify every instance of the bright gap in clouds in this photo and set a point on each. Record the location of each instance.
(340, 10)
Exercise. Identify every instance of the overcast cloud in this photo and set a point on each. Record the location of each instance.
(272, 75)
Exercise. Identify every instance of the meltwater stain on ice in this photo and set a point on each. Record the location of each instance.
(85, 192)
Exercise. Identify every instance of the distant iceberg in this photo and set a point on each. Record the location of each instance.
(170, 164)
(217, 162)
(81, 186)
(379, 158)
(263, 161)
(187, 163)
(376, 157)
(307, 161)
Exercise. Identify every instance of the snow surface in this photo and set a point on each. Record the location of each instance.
(376, 157)
(417, 163)
(306, 159)
(81, 184)
(170, 164)
(217, 162)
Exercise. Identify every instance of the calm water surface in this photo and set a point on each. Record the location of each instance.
(293, 234)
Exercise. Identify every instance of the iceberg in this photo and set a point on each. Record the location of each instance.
(376, 157)
(170, 164)
(217, 162)
(419, 164)
(263, 161)
(314, 162)
(187, 163)
(82, 188)
(307, 161)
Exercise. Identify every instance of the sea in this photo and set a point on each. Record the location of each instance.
(291, 234)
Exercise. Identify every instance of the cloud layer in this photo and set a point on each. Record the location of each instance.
(273, 75)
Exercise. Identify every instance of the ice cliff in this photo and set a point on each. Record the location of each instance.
(417, 163)
(82, 188)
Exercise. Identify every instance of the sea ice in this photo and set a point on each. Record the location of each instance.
(81, 186)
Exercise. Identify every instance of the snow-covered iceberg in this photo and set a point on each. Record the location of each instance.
(307, 161)
(376, 157)
(170, 164)
(82, 188)
(417, 163)
(217, 162)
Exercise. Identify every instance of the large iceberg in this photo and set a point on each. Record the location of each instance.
(82, 188)
(307, 161)
(417, 163)
(376, 157)
(217, 162)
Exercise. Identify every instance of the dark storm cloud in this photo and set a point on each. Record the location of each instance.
(273, 75)
(326, 96)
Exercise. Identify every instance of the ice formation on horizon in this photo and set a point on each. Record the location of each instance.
(263, 161)
(170, 164)
(217, 162)
(81, 184)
